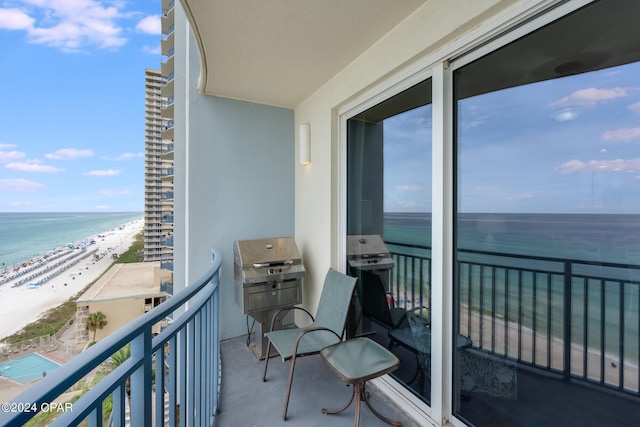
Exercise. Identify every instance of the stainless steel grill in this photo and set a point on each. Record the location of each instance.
(366, 253)
(268, 276)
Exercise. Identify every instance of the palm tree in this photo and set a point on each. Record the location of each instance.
(96, 321)
(118, 358)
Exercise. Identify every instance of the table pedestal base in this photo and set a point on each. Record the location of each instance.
(361, 395)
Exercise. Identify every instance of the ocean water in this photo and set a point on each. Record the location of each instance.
(598, 238)
(25, 235)
(590, 237)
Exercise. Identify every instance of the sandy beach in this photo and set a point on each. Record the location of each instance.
(521, 341)
(24, 304)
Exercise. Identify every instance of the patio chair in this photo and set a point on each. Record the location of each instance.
(375, 305)
(326, 329)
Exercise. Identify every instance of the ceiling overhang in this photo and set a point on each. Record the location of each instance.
(279, 52)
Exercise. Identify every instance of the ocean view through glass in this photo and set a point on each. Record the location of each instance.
(559, 236)
(546, 263)
(547, 256)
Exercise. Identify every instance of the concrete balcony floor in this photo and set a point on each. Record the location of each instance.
(247, 401)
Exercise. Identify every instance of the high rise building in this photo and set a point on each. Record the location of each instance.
(158, 203)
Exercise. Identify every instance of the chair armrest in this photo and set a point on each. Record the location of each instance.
(275, 316)
(312, 329)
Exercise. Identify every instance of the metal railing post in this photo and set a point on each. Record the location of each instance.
(568, 273)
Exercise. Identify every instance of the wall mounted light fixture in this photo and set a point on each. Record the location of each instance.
(304, 133)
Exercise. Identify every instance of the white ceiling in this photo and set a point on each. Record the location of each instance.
(279, 52)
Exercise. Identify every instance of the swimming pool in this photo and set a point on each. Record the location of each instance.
(27, 368)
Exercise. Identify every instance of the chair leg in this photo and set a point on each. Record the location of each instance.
(292, 361)
(337, 411)
(266, 361)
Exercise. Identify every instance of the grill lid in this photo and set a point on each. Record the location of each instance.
(266, 252)
(363, 246)
(368, 252)
(267, 260)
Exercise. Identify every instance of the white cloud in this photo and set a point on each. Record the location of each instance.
(69, 25)
(635, 107)
(150, 25)
(615, 165)
(15, 19)
(19, 185)
(107, 172)
(32, 166)
(123, 156)
(7, 156)
(566, 114)
(102, 207)
(591, 96)
(5, 146)
(622, 135)
(69, 154)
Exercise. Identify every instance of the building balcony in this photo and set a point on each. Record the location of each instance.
(166, 286)
(166, 174)
(167, 153)
(168, 45)
(167, 133)
(167, 5)
(168, 110)
(194, 360)
(168, 21)
(188, 351)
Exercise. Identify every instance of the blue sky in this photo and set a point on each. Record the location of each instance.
(567, 145)
(72, 103)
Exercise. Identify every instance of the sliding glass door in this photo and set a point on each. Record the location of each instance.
(389, 228)
(537, 135)
(547, 223)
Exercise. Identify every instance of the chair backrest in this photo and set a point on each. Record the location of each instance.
(334, 301)
(375, 305)
(374, 299)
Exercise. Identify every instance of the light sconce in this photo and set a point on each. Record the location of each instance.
(305, 144)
